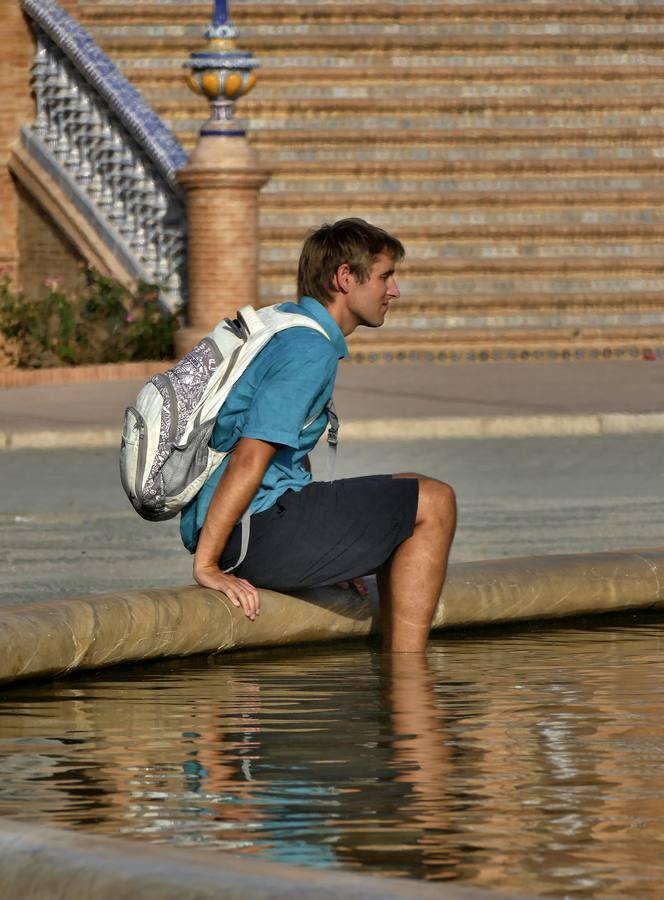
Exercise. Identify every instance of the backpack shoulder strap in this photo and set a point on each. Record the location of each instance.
(274, 320)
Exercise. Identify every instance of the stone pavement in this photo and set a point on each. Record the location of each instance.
(407, 401)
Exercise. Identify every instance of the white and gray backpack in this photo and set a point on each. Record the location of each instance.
(165, 457)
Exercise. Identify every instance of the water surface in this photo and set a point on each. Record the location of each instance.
(529, 760)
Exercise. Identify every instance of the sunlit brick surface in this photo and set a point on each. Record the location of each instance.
(515, 147)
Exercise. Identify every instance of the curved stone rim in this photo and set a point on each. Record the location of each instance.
(53, 638)
(46, 861)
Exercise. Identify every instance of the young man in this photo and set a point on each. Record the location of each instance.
(305, 533)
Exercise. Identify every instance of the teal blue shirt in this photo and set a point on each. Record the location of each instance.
(289, 382)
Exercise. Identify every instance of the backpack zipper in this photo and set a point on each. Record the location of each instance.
(142, 452)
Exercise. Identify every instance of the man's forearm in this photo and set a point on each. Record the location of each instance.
(235, 491)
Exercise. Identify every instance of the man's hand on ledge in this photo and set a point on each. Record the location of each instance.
(238, 590)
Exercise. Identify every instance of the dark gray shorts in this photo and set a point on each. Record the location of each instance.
(327, 532)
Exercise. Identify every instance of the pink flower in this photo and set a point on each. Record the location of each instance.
(53, 284)
(130, 317)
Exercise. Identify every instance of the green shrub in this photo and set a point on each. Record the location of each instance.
(104, 323)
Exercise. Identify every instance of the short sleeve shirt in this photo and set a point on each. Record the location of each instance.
(288, 384)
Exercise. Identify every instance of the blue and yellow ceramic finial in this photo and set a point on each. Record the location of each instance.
(222, 73)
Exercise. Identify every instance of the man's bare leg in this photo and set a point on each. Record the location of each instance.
(410, 582)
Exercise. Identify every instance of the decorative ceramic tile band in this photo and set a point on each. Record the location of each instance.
(121, 97)
(645, 351)
(114, 157)
(82, 203)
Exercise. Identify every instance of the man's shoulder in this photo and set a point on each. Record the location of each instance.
(302, 339)
(292, 353)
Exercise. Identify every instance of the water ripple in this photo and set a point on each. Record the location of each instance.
(527, 760)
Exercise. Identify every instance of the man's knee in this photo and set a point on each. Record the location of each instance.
(437, 500)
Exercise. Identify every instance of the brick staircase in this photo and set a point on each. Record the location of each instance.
(515, 147)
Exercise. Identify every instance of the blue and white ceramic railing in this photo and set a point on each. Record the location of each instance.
(108, 151)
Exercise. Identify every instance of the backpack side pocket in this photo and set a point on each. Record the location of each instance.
(133, 454)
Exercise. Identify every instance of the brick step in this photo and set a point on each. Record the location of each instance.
(560, 206)
(382, 140)
(458, 290)
(157, 62)
(438, 210)
(522, 188)
(462, 171)
(397, 336)
(358, 96)
(557, 122)
(448, 156)
(449, 61)
(149, 11)
(437, 224)
(463, 319)
(427, 279)
(349, 145)
(444, 265)
(178, 101)
(146, 69)
(463, 297)
(615, 136)
(454, 310)
(641, 308)
(423, 315)
(417, 35)
(421, 248)
(499, 326)
(277, 229)
(439, 345)
(510, 283)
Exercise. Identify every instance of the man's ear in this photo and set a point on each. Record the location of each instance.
(342, 278)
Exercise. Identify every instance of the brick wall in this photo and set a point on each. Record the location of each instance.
(26, 233)
(16, 110)
(43, 251)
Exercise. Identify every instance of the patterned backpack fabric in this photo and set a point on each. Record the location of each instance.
(165, 457)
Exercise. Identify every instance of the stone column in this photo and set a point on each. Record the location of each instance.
(222, 181)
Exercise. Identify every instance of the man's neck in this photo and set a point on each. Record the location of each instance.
(344, 318)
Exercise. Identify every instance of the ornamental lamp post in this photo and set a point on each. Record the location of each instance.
(222, 180)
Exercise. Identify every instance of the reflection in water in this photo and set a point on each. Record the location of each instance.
(528, 761)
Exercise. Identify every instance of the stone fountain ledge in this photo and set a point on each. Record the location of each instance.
(40, 861)
(53, 638)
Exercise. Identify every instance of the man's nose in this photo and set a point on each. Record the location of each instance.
(394, 289)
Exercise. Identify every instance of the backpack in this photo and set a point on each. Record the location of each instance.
(165, 457)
